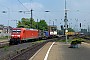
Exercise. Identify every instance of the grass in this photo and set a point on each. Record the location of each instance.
(4, 37)
(39, 41)
(6, 48)
(64, 40)
(79, 39)
(70, 40)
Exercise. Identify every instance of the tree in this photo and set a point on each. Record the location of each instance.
(70, 30)
(42, 25)
(26, 23)
(33, 24)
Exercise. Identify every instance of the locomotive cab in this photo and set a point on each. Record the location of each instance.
(15, 36)
(22, 35)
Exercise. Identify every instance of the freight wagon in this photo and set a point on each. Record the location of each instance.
(43, 34)
(72, 33)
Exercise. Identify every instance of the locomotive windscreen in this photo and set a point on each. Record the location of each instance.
(16, 31)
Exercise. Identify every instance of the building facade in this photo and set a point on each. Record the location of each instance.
(5, 30)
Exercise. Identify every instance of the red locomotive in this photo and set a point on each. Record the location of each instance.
(22, 34)
(19, 35)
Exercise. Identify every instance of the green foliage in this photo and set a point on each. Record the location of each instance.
(26, 23)
(74, 42)
(60, 32)
(42, 25)
(69, 41)
(6, 48)
(70, 30)
(77, 41)
(4, 37)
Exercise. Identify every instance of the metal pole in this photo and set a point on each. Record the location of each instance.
(56, 24)
(65, 20)
(31, 18)
(49, 22)
(8, 21)
(80, 27)
(53, 23)
(47, 11)
(8, 29)
(37, 24)
(53, 28)
(16, 23)
(77, 25)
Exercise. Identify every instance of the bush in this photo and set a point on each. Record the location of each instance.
(79, 40)
(74, 42)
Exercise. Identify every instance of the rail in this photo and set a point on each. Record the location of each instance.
(27, 52)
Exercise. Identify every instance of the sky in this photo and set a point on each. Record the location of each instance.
(78, 12)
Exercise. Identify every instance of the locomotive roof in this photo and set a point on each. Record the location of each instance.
(30, 29)
(25, 28)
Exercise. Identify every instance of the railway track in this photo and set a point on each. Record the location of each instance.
(11, 52)
(84, 37)
(4, 43)
(26, 53)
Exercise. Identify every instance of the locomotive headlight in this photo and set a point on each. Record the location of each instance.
(12, 35)
(18, 35)
(15, 35)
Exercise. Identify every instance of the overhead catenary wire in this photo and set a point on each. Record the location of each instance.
(23, 5)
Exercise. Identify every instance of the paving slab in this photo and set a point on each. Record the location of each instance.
(61, 51)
